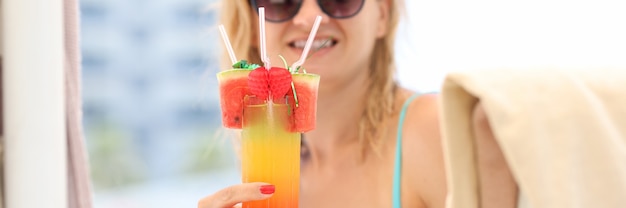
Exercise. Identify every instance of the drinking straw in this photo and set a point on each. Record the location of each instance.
(308, 44)
(229, 47)
(264, 58)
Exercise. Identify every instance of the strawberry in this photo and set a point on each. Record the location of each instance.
(279, 82)
(258, 82)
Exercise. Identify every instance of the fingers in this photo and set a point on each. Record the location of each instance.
(228, 197)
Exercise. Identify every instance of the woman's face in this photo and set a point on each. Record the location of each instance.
(340, 59)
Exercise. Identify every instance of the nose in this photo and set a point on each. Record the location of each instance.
(307, 14)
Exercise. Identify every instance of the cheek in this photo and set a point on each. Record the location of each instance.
(362, 37)
(369, 18)
(362, 27)
(274, 37)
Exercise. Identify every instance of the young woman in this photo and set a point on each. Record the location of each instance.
(349, 160)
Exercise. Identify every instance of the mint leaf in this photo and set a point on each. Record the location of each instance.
(243, 64)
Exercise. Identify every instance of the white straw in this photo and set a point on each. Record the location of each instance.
(308, 44)
(229, 47)
(264, 58)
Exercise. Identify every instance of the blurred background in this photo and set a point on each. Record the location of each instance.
(151, 113)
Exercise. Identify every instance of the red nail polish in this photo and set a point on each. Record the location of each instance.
(267, 189)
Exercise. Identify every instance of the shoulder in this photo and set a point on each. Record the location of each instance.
(424, 111)
(422, 149)
(421, 126)
(422, 116)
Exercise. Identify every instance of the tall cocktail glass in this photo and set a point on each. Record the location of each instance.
(270, 151)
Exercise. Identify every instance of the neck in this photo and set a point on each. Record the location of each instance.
(339, 111)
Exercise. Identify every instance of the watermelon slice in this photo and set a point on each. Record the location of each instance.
(304, 115)
(233, 88)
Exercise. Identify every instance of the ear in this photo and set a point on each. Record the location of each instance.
(383, 20)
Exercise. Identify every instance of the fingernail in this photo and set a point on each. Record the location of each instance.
(267, 189)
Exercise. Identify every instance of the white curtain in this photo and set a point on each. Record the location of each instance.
(43, 155)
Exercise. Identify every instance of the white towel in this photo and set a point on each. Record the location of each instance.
(562, 132)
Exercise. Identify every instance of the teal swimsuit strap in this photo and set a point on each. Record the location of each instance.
(397, 171)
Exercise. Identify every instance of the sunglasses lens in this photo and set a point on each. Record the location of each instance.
(279, 10)
(341, 8)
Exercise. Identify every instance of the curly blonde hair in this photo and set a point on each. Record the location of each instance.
(237, 17)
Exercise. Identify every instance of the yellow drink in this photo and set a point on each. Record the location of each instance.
(270, 152)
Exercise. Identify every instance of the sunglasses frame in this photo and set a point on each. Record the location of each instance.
(319, 3)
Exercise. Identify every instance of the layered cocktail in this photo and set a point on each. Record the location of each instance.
(272, 107)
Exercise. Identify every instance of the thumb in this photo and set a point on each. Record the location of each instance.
(229, 196)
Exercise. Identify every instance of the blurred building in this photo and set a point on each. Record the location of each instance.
(151, 110)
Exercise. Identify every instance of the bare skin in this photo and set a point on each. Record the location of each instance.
(332, 170)
(497, 185)
(334, 177)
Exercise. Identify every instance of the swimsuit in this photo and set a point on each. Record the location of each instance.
(397, 170)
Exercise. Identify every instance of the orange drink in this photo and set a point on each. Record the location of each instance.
(270, 151)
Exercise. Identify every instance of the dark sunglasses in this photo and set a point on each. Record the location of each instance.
(283, 10)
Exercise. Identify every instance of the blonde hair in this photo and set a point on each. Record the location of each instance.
(237, 17)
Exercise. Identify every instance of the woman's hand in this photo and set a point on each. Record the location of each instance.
(230, 196)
